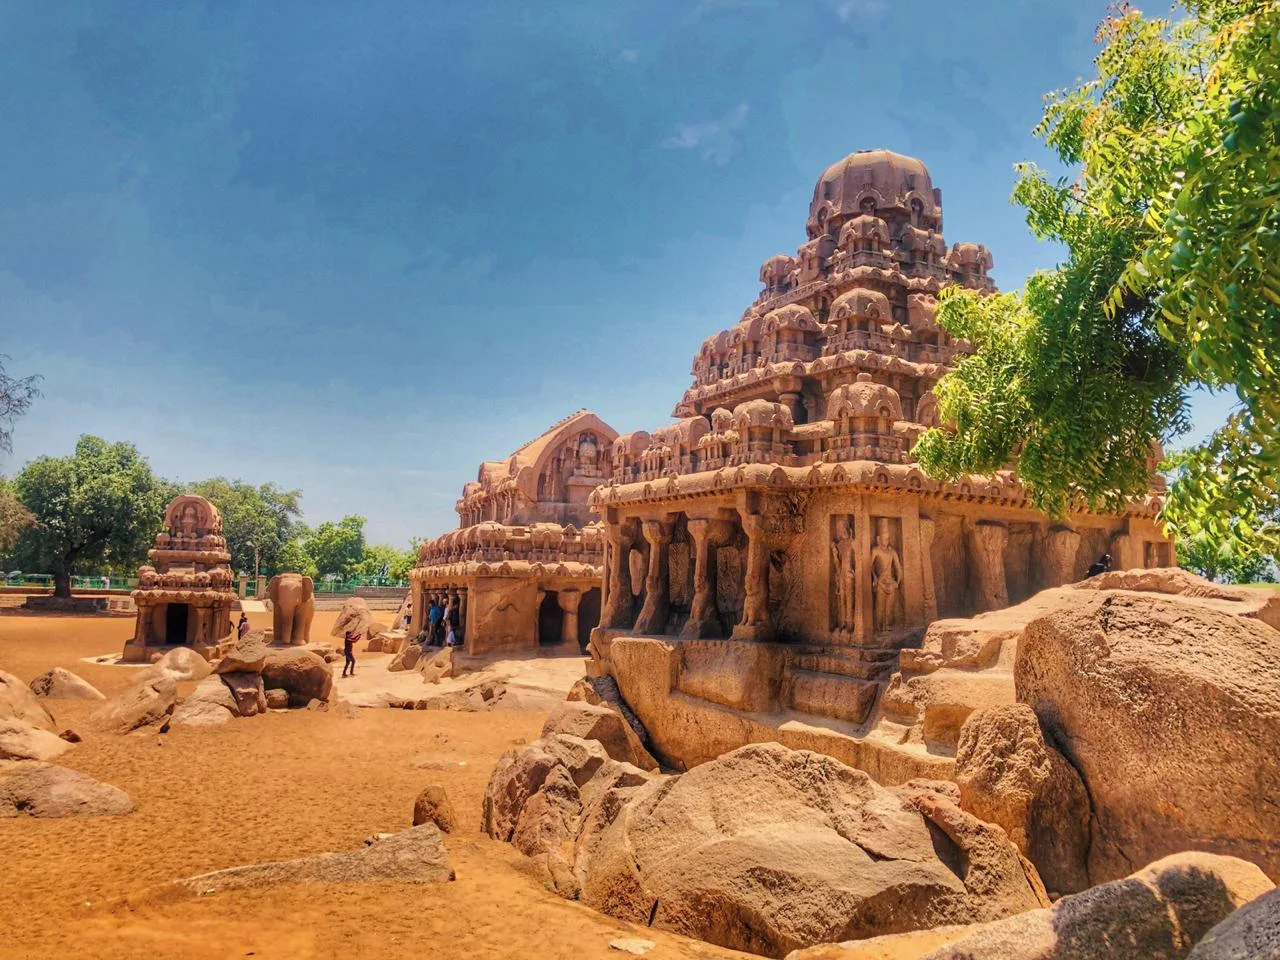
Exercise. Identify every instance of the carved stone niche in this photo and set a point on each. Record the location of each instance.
(638, 567)
(843, 559)
(887, 586)
(987, 543)
(730, 572)
(1061, 544)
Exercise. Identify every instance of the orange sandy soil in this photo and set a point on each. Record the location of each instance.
(270, 788)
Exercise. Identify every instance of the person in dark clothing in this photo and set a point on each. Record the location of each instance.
(348, 650)
(434, 617)
(243, 627)
(1101, 565)
(454, 619)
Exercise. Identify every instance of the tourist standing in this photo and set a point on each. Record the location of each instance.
(243, 626)
(348, 651)
(453, 619)
(1101, 565)
(434, 616)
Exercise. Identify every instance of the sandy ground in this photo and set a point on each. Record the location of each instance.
(268, 788)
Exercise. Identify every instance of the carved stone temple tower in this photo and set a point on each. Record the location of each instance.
(779, 531)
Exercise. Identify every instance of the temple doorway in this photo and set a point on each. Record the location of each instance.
(588, 616)
(550, 620)
(175, 622)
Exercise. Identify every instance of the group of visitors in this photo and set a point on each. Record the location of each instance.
(443, 623)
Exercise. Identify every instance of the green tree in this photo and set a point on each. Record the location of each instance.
(14, 519)
(100, 505)
(381, 560)
(16, 396)
(1172, 278)
(336, 548)
(293, 555)
(258, 522)
(1225, 560)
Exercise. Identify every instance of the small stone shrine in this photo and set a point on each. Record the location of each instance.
(185, 595)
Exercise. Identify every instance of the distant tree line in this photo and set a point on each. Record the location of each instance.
(99, 510)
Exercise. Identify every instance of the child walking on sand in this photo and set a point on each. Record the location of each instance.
(348, 650)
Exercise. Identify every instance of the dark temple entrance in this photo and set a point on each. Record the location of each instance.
(550, 620)
(588, 616)
(175, 623)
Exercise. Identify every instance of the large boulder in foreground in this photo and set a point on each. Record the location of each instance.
(1169, 707)
(148, 703)
(247, 656)
(580, 719)
(1251, 933)
(603, 692)
(60, 684)
(1157, 914)
(1009, 775)
(767, 850)
(416, 855)
(47, 790)
(17, 702)
(180, 664)
(303, 674)
(20, 740)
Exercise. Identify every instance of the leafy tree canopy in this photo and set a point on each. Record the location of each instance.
(16, 395)
(100, 505)
(336, 548)
(381, 560)
(14, 519)
(1172, 278)
(258, 522)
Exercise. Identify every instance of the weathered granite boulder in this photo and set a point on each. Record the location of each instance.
(247, 656)
(579, 719)
(148, 703)
(303, 674)
(433, 806)
(277, 699)
(416, 855)
(1251, 933)
(1169, 707)
(60, 684)
(209, 704)
(47, 790)
(603, 692)
(406, 659)
(436, 666)
(247, 692)
(768, 850)
(1009, 775)
(17, 702)
(20, 740)
(180, 664)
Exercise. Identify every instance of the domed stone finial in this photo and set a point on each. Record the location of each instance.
(864, 377)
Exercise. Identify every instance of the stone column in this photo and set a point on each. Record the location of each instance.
(987, 542)
(927, 530)
(241, 583)
(755, 608)
(569, 601)
(1061, 545)
(702, 613)
(462, 610)
(616, 612)
(415, 607)
(537, 616)
(653, 615)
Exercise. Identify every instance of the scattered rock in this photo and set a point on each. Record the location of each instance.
(60, 684)
(437, 666)
(301, 673)
(210, 703)
(247, 692)
(1010, 776)
(417, 855)
(406, 659)
(632, 945)
(71, 736)
(150, 702)
(20, 740)
(1250, 933)
(180, 664)
(277, 699)
(1167, 707)
(433, 806)
(47, 790)
(604, 692)
(341, 708)
(17, 702)
(247, 656)
(590, 722)
(767, 850)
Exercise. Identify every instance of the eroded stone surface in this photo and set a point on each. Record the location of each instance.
(61, 684)
(47, 790)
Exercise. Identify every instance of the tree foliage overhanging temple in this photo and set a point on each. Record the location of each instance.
(1171, 280)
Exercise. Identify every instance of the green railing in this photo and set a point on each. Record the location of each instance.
(77, 583)
(323, 585)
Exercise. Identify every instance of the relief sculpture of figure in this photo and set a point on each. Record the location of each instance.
(842, 568)
(886, 578)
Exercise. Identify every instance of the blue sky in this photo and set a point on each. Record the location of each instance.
(359, 248)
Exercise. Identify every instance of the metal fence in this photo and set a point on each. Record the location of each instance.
(322, 584)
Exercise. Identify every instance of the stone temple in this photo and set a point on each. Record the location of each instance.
(524, 565)
(778, 533)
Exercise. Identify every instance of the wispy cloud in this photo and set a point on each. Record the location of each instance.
(851, 10)
(629, 56)
(714, 140)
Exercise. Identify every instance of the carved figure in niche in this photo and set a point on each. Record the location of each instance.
(867, 206)
(843, 562)
(188, 521)
(886, 578)
(588, 454)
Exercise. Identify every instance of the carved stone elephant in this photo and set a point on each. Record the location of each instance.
(292, 607)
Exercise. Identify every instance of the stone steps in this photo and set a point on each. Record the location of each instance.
(861, 663)
(831, 695)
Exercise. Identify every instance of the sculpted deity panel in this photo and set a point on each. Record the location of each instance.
(843, 573)
(886, 573)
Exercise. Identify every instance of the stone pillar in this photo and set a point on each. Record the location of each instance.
(702, 620)
(927, 530)
(616, 611)
(1061, 545)
(462, 610)
(653, 615)
(415, 607)
(987, 542)
(755, 607)
(569, 601)
(241, 584)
